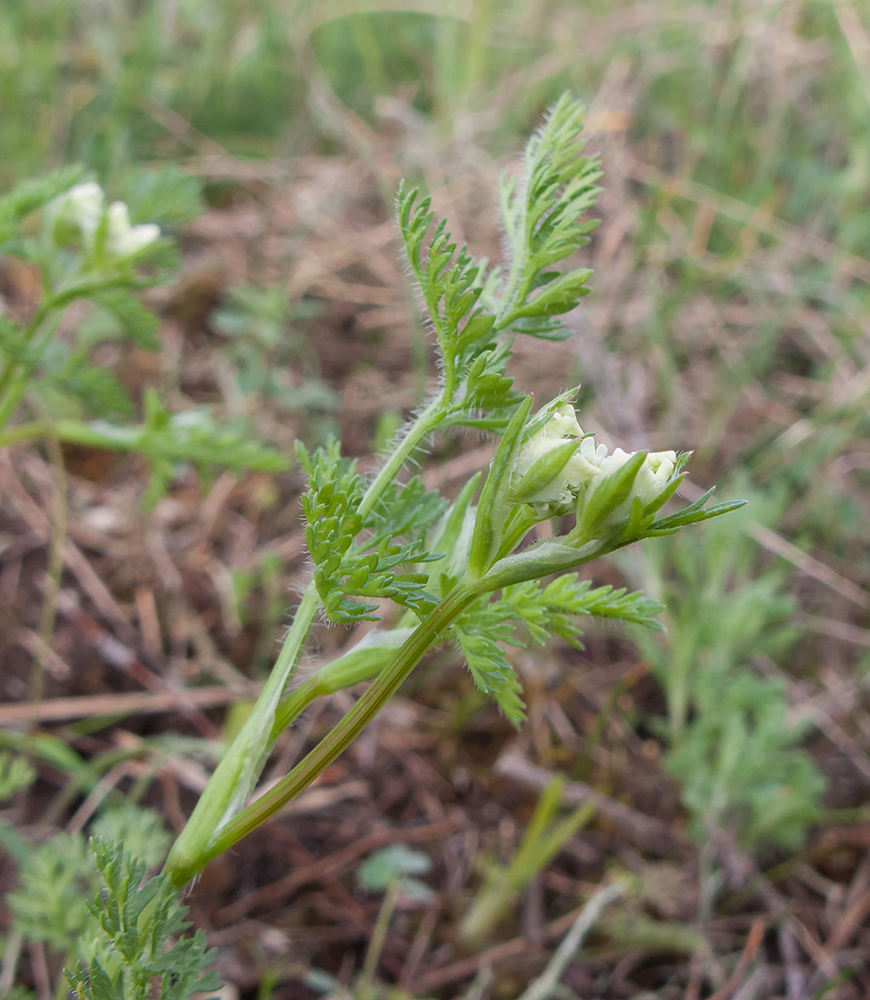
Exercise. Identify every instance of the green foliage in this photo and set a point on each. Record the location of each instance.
(540, 213)
(16, 773)
(87, 250)
(451, 282)
(550, 609)
(396, 865)
(168, 440)
(544, 611)
(57, 878)
(545, 836)
(134, 319)
(373, 541)
(271, 352)
(167, 196)
(50, 903)
(141, 831)
(139, 952)
(740, 767)
(468, 304)
(28, 197)
(479, 635)
(344, 568)
(722, 610)
(739, 764)
(78, 81)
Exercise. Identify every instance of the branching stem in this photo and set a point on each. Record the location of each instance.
(427, 635)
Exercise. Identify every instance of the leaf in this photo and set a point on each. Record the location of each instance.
(740, 766)
(490, 669)
(488, 400)
(168, 440)
(451, 281)
(13, 344)
(141, 831)
(30, 195)
(693, 514)
(16, 773)
(167, 196)
(137, 321)
(392, 864)
(540, 213)
(376, 566)
(94, 390)
(139, 938)
(55, 880)
(544, 611)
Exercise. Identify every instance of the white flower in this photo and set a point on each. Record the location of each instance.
(124, 240)
(651, 479)
(588, 466)
(581, 468)
(81, 206)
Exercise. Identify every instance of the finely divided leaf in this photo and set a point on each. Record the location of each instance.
(359, 556)
(451, 280)
(30, 195)
(491, 670)
(540, 213)
(544, 611)
(140, 953)
(136, 320)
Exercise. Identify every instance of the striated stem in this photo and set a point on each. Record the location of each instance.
(240, 766)
(423, 638)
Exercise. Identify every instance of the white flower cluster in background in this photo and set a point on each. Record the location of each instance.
(589, 465)
(83, 209)
(124, 240)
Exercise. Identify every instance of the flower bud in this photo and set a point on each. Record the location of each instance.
(76, 213)
(651, 479)
(560, 465)
(545, 471)
(124, 240)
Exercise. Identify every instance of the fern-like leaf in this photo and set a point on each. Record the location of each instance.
(541, 217)
(544, 611)
(451, 281)
(490, 668)
(31, 195)
(357, 556)
(140, 954)
(137, 321)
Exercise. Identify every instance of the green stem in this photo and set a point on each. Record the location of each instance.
(26, 432)
(240, 766)
(424, 637)
(235, 776)
(361, 663)
(365, 989)
(423, 425)
(13, 379)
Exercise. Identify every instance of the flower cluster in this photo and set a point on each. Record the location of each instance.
(81, 213)
(560, 462)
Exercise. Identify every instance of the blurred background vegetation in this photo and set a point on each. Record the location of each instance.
(730, 310)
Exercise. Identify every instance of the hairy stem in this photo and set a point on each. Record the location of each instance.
(422, 426)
